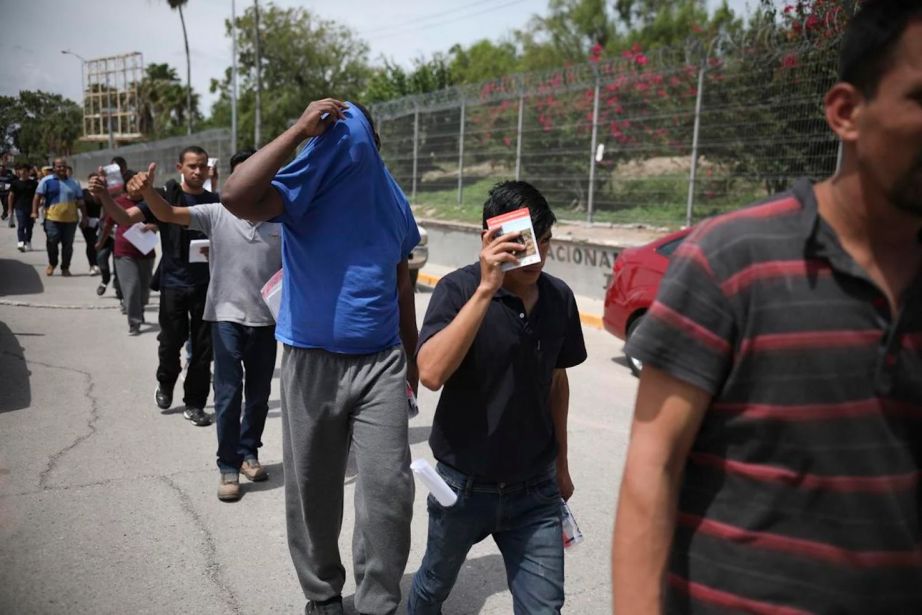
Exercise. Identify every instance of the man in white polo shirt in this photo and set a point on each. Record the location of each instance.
(242, 256)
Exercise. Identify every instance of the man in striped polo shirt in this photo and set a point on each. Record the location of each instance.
(775, 455)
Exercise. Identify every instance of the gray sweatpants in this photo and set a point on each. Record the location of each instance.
(329, 401)
(134, 278)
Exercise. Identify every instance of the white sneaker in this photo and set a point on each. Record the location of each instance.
(21, 246)
(94, 270)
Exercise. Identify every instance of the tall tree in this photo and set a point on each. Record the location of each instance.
(164, 102)
(177, 5)
(49, 124)
(303, 57)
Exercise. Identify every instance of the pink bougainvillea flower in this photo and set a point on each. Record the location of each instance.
(641, 59)
(789, 61)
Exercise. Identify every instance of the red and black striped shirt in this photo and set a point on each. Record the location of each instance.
(802, 491)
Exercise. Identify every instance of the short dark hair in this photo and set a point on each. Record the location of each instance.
(192, 149)
(511, 195)
(120, 162)
(240, 157)
(870, 41)
(371, 122)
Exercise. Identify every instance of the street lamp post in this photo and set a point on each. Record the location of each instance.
(68, 52)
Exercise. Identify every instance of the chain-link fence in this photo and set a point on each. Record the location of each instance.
(663, 138)
(165, 152)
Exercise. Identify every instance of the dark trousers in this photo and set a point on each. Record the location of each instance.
(25, 222)
(181, 311)
(60, 233)
(240, 349)
(107, 272)
(89, 236)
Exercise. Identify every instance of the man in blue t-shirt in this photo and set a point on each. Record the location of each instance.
(347, 306)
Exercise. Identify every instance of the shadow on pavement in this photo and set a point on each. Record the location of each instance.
(17, 387)
(18, 278)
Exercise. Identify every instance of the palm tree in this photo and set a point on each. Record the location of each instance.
(178, 4)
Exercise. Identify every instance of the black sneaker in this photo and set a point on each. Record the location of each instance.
(164, 398)
(101, 290)
(197, 416)
(134, 330)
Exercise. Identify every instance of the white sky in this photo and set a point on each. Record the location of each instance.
(35, 32)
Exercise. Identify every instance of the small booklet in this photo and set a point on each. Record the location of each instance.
(518, 221)
(144, 241)
(198, 250)
(272, 294)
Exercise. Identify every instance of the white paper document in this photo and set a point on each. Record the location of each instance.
(196, 253)
(272, 293)
(144, 241)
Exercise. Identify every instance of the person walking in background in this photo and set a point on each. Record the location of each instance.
(91, 229)
(6, 181)
(62, 199)
(347, 306)
(776, 450)
(500, 343)
(133, 266)
(19, 201)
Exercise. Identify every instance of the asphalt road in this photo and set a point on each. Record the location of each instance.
(108, 505)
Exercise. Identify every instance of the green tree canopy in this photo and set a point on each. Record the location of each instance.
(49, 124)
(303, 57)
(163, 103)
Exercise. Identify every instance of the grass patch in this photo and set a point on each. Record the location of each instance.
(654, 201)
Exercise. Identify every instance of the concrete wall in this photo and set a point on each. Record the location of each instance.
(585, 266)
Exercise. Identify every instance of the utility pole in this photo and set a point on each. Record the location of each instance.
(259, 79)
(233, 75)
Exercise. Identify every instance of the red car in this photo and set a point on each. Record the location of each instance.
(635, 279)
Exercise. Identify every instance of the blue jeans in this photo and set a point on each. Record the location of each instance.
(239, 348)
(60, 233)
(25, 222)
(524, 520)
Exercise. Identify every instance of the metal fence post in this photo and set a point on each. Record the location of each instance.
(693, 173)
(592, 148)
(518, 139)
(415, 149)
(461, 156)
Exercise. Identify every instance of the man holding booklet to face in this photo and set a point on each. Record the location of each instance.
(242, 256)
(499, 335)
(348, 323)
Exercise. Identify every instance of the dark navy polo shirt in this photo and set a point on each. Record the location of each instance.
(493, 420)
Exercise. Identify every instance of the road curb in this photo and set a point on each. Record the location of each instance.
(588, 319)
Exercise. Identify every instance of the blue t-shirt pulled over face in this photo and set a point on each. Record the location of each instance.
(346, 227)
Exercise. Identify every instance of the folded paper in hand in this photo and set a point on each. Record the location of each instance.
(143, 240)
(272, 294)
(196, 254)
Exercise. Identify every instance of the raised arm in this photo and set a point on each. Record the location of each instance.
(143, 183)
(667, 417)
(122, 217)
(441, 354)
(248, 192)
